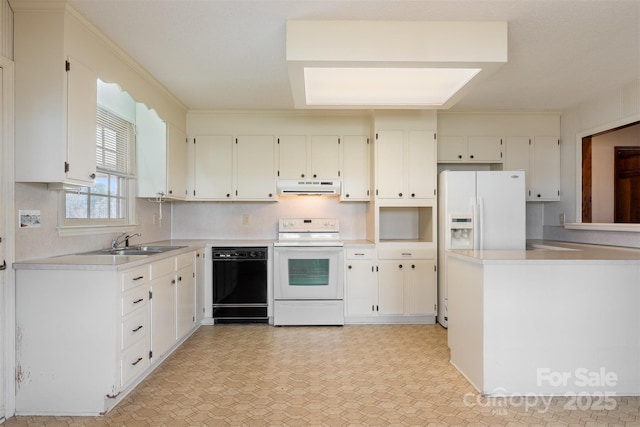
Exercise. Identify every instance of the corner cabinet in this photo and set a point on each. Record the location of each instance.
(539, 157)
(92, 331)
(405, 164)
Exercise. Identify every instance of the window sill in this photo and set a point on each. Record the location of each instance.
(599, 226)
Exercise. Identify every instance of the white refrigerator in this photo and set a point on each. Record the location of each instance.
(478, 210)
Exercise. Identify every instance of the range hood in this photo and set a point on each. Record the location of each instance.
(304, 187)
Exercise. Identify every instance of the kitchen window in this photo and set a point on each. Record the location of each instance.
(110, 201)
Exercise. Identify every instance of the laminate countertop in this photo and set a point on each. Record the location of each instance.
(82, 261)
(549, 251)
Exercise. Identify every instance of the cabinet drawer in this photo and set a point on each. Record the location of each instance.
(135, 277)
(165, 266)
(184, 260)
(135, 328)
(134, 362)
(359, 253)
(134, 300)
(406, 253)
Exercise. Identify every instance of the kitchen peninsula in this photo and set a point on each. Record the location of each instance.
(559, 318)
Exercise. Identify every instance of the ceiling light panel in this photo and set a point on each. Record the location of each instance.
(390, 64)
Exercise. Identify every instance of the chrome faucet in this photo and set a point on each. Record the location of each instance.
(124, 237)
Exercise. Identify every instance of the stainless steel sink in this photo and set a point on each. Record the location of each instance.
(134, 250)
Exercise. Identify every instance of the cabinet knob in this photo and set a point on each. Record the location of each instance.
(270, 195)
(413, 266)
(539, 195)
(301, 175)
(400, 194)
(170, 191)
(179, 278)
(346, 195)
(413, 194)
(349, 267)
(92, 176)
(228, 195)
(459, 156)
(315, 175)
(471, 156)
(173, 281)
(400, 266)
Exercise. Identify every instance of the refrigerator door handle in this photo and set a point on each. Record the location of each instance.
(476, 224)
(481, 218)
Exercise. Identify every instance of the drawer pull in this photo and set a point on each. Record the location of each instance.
(359, 254)
(137, 329)
(138, 278)
(137, 361)
(406, 254)
(138, 300)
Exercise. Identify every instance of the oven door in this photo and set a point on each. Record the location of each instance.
(308, 273)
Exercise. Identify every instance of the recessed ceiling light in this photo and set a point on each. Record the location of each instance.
(384, 86)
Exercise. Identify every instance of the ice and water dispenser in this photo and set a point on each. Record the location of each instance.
(460, 232)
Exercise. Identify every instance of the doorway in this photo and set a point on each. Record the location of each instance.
(627, 185)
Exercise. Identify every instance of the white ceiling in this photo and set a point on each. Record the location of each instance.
(230, 54)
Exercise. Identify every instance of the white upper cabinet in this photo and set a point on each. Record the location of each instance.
(470, 149)
(176, 163)
(405, 164)
(255, 167)
(314, 157)
(539, 157)
(55, 104)
(292, 155)
(213, 167)
(355, 168)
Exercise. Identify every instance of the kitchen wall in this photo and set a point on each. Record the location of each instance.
(612, 107)
(224, 220)
(44, 241)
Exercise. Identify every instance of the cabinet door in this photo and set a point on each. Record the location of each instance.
(163, 325)
(325, 157)
(420, 287)
(545, 165)
(360, 285)
(421, 164)
(391, 287)
(176, 163)
(292, 155)
(213, 167)
(517, 158)
(389, 164)
(452, 148)
(484, 149)
(355, 169)
(82, 92)
(255, 170)
(151, 153)
(185, 301)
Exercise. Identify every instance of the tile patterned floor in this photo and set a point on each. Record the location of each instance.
(369, 375)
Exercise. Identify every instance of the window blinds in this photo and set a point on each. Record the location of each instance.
(114, 137)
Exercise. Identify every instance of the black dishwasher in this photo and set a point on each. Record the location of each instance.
(240, 285)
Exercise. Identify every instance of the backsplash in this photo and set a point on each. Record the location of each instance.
(246, 220)
(44, 241)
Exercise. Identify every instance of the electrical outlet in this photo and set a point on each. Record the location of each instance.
(245, 219)
(562, 218)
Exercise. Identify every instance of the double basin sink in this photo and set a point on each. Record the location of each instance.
(133, 250)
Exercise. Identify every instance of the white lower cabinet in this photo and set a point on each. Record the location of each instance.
(360, 282)
(397, 287)
(87, 335)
